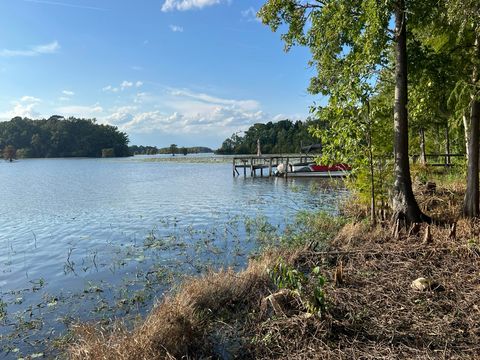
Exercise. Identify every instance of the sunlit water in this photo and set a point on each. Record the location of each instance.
(99, 238)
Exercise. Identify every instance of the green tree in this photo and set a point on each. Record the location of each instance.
(60, 137)
(464, 15)
(173, 149)
(283, 136)
(351, 42)
(453, 33)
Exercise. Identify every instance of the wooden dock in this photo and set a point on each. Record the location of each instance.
(269, 163)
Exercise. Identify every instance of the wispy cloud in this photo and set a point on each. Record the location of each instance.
(84, 111)
(58, 3)
(176, 28)
(123, 86)
(250, 14)
(209, 99)
(183, 5)
(29, 99)
(36, 50)
(110, 88)
(68, 93)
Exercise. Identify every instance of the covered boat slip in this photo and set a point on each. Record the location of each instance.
(285, 165)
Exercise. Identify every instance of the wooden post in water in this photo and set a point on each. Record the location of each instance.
(244, 168)
(286, 168)
(234, 167)
(270, 167)
(251, 167)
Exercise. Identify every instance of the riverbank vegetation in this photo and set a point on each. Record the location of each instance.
(60, 137)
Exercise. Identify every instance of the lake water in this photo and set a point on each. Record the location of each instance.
(101, 238)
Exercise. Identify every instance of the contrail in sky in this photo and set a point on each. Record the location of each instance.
(47, 2)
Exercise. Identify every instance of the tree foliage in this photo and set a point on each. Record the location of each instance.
(280, 137)
(59, 137)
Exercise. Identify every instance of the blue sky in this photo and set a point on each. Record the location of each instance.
(190, 72)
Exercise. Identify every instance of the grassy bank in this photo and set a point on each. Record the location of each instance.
(337, 289)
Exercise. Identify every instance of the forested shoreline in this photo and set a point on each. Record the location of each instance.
(153, 150)
(280, 137)
(61, 137)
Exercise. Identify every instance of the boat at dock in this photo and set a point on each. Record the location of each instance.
(312, 169)
(302, 165)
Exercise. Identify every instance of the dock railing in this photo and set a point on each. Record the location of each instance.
(266, 162)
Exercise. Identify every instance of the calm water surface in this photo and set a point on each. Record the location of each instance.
(99, 238)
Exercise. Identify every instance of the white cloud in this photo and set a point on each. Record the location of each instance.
(187, 112)
(141, 97)
(183, 5)
(30, 99)
(212, 100)
(25, 107)
(80, 111)
(50, 48)
(110, 88)
(176, 28)
(68, 93)
(250, 14)
(125, 85)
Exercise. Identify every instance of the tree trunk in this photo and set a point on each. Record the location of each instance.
(373, 215)
(447, 145)
(466, 128)
(405, 207)
(423, 157)
(470, 203)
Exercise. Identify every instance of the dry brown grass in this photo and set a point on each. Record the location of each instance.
(180, 326)
(375, 314)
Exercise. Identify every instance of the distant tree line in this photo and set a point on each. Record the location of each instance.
(143, 150)
(172, 149)
(275, 138)
(60, 137)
